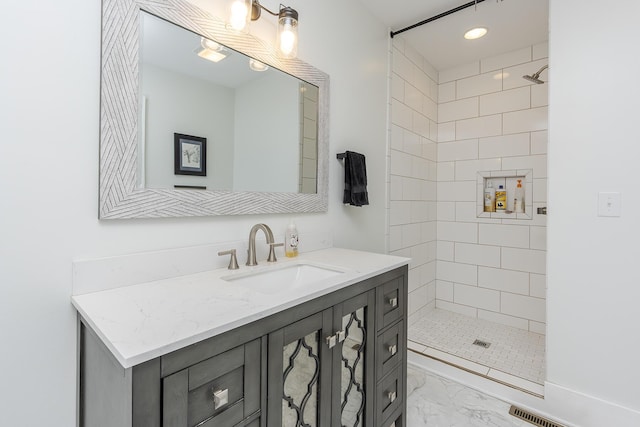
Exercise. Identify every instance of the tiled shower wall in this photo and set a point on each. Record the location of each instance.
(491, 119)
(488, 119)
(413, 175)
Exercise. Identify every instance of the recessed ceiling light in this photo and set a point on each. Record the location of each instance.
(475, 33)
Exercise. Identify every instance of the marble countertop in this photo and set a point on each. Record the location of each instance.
(140, 322)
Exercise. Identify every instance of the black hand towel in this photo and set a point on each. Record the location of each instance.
(355, 180)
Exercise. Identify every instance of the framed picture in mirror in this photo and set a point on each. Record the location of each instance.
(190, 155)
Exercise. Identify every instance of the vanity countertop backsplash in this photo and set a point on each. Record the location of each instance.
(138, 322)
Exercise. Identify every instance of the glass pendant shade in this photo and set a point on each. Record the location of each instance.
(287, 37)
(239, 15)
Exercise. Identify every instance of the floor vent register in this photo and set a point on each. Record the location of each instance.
(532, 418)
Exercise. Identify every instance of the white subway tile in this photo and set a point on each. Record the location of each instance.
(460, 309)
(412, 97)
(431, 72)
(478, 85)
(467, 170)
(395, 187)
(538, 238)
(444, 290)
(419, 211)
(413, 280)
(429, 150)
(397, 44)
(423, 83)
(433, 210)
(538, 287)
(446, 171)
(508, 100)
(429, 108)
(488, 256)
(429, 189)
(467, 212)
(515, 236)
(411, 189)
(539, 142)
(530, 260)
(458, 232)
(401, 115)
(419, 168)
(486, 299)
(420, 254)
(413, 55)
(432, 251)
(458, 273)
(537, 327)
(400, 163)
(456, 110)
(397, 87)
(399, 213)
(514, 322)
(395, 238)
(516, 282)
(540, 190)
(459, 72)
(445, 250)
(446, 211)
(458, 150)
(504, 146)
(537, 163)
(526, 120)
(508, 59)
(465, 191)
(433, 130)
(401, 65)
(410, 235)
(412, 143)
(539, 95)
(540, 51)
(417, 299)
(447, 92)
(421, 124)
(479, 127)
(429, 231)
(397, 137)
(514, 78)
(434, 88)
(523, 306)
(428, 273)
(446, 132)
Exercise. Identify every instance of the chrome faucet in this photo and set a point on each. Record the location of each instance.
(251, 253)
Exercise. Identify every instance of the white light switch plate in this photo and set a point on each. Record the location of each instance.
(609, 204)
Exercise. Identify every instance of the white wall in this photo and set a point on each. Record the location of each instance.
(491, 120)
(49, 176)
(412, 172)
(181, 104)
(593, 277)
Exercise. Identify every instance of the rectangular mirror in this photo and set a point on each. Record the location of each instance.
(183, 135)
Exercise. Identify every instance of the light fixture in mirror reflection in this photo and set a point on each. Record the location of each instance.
(261, 127)
(131, 184)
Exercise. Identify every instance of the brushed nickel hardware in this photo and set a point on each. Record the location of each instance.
(220, 398)
(331, 340)
(251, 252)
(393, 302)
(393, 349)
(542, 211)
(392, 396)
(342, 335)
(233, 262)
(272, 252)
(481, 343)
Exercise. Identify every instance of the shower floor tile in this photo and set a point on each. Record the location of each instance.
(515, 356)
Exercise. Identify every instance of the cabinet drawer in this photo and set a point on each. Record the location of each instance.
(389, 394)
(390, 302)
(391, 348)
(220, 391)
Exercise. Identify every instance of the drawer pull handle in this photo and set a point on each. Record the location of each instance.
(393, 302)
(393, 349)
(341, 335)
(220, 398)
(392, 396)
(332, 340)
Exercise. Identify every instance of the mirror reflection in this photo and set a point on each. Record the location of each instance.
(207, 107)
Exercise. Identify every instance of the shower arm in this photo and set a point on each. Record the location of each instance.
(536, 75)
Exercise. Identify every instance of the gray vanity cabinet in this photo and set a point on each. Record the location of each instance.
(336, 360)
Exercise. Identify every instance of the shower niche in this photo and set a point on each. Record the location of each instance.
(509, 180)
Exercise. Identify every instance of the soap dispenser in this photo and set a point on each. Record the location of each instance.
(501, 199)
(489, 198)
(291, 241)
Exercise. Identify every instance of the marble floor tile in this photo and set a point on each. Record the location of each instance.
(434, 401)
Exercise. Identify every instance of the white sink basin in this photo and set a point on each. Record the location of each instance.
(283, 278)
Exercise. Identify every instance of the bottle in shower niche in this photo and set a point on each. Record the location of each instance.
(291, 241)
(501, 199)
(518, 200)
(489, 198)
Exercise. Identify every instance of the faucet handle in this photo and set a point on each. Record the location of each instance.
(272, 252)
(233, 262)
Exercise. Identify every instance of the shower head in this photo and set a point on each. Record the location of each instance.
(535, 78)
